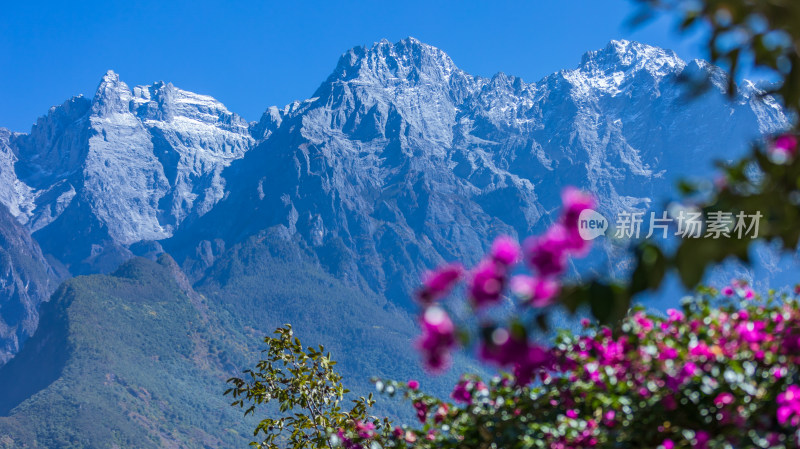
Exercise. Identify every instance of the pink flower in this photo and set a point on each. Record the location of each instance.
(608, 418)
(503, 348)
(461, 393)
(669, 402)
(667, 444)
(463, 390)
(441, 413)
(413, 384)
(365, 430)
(347, 442)
(536, 360)
(572, 414)
(690, 369)
(548, 253)
(438, 338)
(701, 439)
(486, 284)
(789, 406)
(727, 291)
(575, 201)
(723, 399)
(786, 143)
(773, 438)
(783, 148)
(642, 320)
(505, 251)
(752, 331)
(668, 354)
(422, 411)
(748, 293)
(438, 283)
(675, 315)
(535, 291)
(700, 349)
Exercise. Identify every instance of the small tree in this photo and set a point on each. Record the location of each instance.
(308, 392)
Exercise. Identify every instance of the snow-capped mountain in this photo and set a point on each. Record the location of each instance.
(400, 160)
(94, 177)
(128, 165)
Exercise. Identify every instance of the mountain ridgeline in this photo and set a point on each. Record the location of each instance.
(323, 213)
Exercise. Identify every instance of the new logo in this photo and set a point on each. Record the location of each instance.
(591, 224)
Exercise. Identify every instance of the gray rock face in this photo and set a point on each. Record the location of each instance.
(14, 194)
(26, 280)
(399, 161)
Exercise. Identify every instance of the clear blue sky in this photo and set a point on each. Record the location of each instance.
(253, 54)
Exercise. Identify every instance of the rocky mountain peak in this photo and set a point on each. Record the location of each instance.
(628, 56)
(112, 95)
(373, 87)
(407, 62)
(52, 150)
(163, 102)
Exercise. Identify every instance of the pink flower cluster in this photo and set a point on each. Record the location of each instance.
(465, 389)
(362, 430)
(438, 338)
(546, 256)
(663, 360)
(438, 283)
(783, 148)
(717, 373)
(789, 406)
(738, 288)
(584, 438)
(422, 411)
(526, 358)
